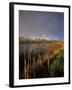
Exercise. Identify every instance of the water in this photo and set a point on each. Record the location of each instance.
(36, 48)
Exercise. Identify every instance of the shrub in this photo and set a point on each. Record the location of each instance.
(56, 69)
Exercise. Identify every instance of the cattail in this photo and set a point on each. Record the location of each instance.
(30, 63)
(34, 67)
(48, 63)
(25, 75)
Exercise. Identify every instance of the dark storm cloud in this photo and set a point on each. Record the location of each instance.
(38, 24)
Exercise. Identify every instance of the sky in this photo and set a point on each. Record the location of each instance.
(36, 24)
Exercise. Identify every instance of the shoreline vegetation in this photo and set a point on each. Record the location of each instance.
(41, 58)
(37, 40)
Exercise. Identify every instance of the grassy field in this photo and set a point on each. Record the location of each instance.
(41, 59)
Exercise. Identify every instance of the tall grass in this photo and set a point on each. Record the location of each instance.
(56, 68)
(41, 63)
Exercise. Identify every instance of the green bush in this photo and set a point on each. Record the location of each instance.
(56, 68)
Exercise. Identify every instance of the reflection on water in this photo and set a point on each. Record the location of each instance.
(23, 48)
